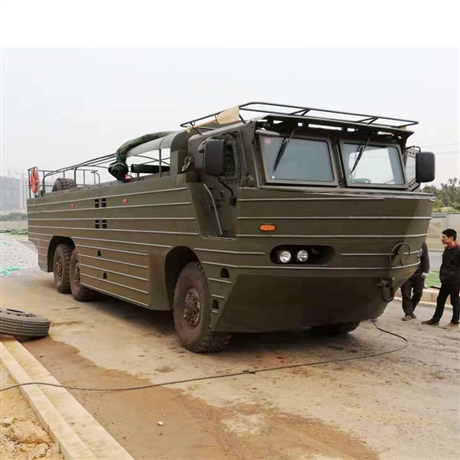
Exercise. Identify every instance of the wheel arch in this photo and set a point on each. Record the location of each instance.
(175, 262)
(54, 243)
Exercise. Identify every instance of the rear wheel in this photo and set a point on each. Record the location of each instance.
(61, 264)
(192, 312)
(79, 292)
(336, 329)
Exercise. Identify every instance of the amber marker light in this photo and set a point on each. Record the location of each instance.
(267, 227)
(125, 200)
(72, 205)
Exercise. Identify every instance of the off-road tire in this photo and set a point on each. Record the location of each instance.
(61, 264)
(22, 324)
(198, 338)
(79, 292)
(336, 329)
(62, 183)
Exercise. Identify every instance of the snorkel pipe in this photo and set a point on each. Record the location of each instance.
(119, 168)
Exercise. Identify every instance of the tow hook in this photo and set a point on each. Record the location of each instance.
(387, 289)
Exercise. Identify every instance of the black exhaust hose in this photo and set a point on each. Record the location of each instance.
(119, 168)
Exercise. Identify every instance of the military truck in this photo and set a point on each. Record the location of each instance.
(261, 217)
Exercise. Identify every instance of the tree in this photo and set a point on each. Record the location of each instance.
(447, 196)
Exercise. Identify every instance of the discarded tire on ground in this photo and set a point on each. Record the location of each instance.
(336, 329)
(23, 324)
(62, 183)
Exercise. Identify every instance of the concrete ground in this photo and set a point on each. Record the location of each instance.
(403, 405)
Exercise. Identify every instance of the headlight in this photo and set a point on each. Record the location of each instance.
(284, 256)
(302, 255)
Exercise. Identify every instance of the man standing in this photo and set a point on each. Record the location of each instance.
(415, 283)
(450, 280)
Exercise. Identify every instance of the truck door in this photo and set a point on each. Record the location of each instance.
(225, 189)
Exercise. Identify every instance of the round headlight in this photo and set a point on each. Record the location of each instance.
(284, 256)
(302, 255)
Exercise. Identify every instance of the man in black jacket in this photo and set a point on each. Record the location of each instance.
(450, 280)
(415, 283)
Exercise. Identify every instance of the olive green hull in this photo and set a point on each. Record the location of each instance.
(126, 245)
(271, 302)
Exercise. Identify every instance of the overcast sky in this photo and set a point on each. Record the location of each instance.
(63, 106)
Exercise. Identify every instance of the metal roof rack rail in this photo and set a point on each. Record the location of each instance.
(233, 115)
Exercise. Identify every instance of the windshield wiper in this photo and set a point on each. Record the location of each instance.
(282, 149)
(360, 154)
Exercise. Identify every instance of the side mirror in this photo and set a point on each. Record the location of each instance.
(214, 151)
(425, 165)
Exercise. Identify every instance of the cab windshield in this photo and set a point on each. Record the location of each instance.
(301, 160)
(375, 165)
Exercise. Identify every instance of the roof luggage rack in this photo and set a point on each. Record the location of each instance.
(260, 109)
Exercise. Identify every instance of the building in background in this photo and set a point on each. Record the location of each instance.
(13, 194)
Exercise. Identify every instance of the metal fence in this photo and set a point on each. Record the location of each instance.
(13, 225)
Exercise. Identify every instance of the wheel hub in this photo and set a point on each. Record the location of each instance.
(192, 308)
(58, 268)
(76, 274)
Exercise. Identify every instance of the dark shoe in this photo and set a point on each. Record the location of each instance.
(407, 318)
(412, 316)
(451, 325)
(431, 322)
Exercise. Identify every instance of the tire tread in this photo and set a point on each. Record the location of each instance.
(211, 341)
(24, 327)
(67, 249)
(63, 183)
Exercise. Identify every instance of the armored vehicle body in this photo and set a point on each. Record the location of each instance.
(259, 218)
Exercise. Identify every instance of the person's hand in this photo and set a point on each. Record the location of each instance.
(424, 275)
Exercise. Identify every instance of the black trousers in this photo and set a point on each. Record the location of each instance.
(415, 283)
(451, 289)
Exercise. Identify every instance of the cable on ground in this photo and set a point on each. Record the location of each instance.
(221, 376)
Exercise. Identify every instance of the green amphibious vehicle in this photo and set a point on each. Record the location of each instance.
(262, 217)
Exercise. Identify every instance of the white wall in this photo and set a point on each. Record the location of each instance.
(438, 223)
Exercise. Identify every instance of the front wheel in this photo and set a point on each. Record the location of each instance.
(336, 329)
(192, 312)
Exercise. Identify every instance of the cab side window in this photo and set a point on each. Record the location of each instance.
(230, 169)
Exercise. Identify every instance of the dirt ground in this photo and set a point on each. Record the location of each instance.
(403, 405)
(21, 435)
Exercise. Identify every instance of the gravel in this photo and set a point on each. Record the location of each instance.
(15, 256)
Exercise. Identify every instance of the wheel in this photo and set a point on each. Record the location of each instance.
(62, 183)
(23, 324)
(336, 329)
(79, 292)
(192, 312)
(61, 264)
